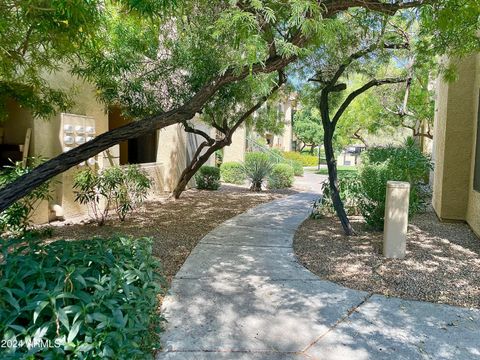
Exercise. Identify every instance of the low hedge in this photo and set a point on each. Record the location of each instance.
(233, 173)
(281, 176)
(208, 178)
(297, 167)
(304, 159)
(92, 299)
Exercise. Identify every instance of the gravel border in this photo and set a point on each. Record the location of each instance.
(442, 263)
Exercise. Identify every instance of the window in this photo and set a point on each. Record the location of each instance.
(143, 149)
(476, 176)
(135, 151)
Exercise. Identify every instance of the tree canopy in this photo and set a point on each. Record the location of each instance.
(307, 126)
(163, 60)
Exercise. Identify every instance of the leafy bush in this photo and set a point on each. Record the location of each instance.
(123, 188)
(277, 157)
(297, 167)
(365, 192)
(350, 193)
(304, 159)
(281, 176)
(131, 190)
(257, 167)
(233, 173)
(208, 178)
(16, 218)
(219, 157)
(379, 165)
(92, 299)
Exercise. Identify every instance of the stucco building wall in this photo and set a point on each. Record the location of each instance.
(473, 209)
(235, 152)
(455, 127)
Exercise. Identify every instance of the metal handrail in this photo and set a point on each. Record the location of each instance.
(255, 146)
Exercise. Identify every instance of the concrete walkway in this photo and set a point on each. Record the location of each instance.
(241, 294)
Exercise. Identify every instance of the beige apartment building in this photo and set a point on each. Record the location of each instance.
(163, 153)
(456, 149)
(245, 139)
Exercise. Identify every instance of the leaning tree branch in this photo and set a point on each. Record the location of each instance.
(336, 6)
(361, 53)
(196, 131)
(361, 90)
(358, 136)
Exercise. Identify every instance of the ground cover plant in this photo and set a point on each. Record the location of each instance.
(87, 299)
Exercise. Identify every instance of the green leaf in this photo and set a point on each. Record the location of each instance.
(11, 300)
(74, 331)
(62, 316)
(41, 305)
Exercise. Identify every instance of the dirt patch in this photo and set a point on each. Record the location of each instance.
(442, 263)
(175, 226)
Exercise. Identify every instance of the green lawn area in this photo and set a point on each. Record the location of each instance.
(340, 169)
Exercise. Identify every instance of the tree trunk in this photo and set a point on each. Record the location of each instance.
(356, 135)
(194, 166)
(329, 130)
(312, 149)
(335, 192)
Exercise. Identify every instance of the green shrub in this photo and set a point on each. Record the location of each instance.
(350, 192)
(281, 176)
(122, 188)
(233, 173)
(297, 167)
(257, 167)
(304, 159)
(16, 219)
(92, 299)
(219, 157)
(208, 178)
(379, 165)
(130, 188)
(365, 192)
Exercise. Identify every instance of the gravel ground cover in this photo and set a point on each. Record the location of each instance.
(176, 226)
(442, 263)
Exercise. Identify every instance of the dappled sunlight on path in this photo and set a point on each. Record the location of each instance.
(241, 294)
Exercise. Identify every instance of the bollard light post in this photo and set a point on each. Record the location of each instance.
(396, 219)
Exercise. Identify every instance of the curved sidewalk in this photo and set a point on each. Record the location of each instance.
(241, 294)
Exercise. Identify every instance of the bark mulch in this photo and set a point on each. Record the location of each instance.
(176, 226)
(442, 263)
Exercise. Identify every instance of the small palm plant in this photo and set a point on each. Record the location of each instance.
(257, 167)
